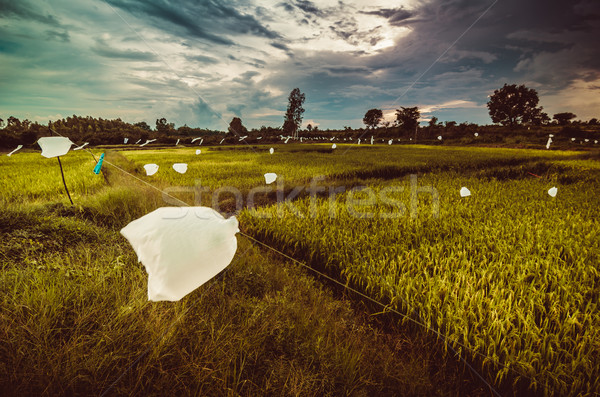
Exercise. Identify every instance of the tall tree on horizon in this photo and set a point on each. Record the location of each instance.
(373, 118)
(293, 116)
(408, 118)
(513, 105)
(564, 118)
(163, 127)
(236, 127)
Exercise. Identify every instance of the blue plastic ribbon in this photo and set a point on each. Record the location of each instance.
(99, 164)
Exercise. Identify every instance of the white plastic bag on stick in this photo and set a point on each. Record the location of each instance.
(53, 146)
(181, 248)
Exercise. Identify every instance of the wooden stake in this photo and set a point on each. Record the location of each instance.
(63, 178)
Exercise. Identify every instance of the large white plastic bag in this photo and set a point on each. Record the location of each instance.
(53, 146)
(181, 248)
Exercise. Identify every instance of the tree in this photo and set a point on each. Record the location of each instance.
(433, 122)
(449, 124)
(373, 118)
(162, 126)
(536, 117)
(236, 126)
(309, 128)
(593, 121)
(289, 127)
(407, 118)
(13, 121)
(185, 130)
(564, 118)
(512, 105)
(143, 125)
(293, 115)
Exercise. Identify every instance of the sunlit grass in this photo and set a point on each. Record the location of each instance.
(31, 177)
(509, 271)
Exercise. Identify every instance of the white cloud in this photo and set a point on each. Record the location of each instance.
(454, 104)
(364, 62)
(313, 123)
(580, 97)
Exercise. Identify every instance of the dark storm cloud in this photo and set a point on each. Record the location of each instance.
(58, 36)
(24, 10)
(346, 69)
(283, 47)
(246, 77)
(205, 114)
(512, 42)
(236, 109)
(205, 20)
(345, 28)
(547, 45)
(280, 46)
(286, 6)
(394, 15)
(536, 41)
(305, 11)
(103, 49)
(202, 59)
(309, 8)
(9, 47)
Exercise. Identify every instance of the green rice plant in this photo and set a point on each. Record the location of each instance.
(510, 272)
(298, 164)
(28, 177)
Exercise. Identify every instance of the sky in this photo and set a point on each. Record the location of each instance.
(201, 63)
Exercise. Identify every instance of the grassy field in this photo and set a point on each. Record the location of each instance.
(509, 272)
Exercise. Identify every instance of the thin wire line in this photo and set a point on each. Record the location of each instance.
(166, 331)
(444, 53)
(387, 307)
(175, 73)
(328, 277)
(430, 66)
(335, 281)
(130, 174)
(157, 340)
(161, 336)
(414, 310)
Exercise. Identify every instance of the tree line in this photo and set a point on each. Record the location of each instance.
(511, 106)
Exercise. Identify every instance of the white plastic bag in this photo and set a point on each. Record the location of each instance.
(53, 146)
(181, 248)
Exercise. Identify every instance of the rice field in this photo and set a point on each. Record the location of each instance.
(27, 177)
(509, 275)
(510, 272)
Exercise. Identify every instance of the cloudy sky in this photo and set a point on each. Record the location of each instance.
(202, 62)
